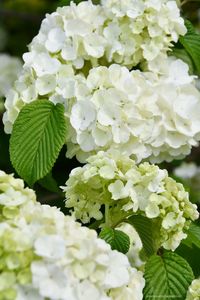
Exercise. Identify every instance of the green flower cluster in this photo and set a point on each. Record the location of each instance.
(113, 184)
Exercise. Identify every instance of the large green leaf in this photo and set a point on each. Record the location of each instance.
(191, 43)
(117, 239)
(167, 277)
(144, 228)
(37, 138)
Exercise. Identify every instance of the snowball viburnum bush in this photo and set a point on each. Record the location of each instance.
(116, 182)
(99, 78)
(49, 255)
(148, 119)
(124, 32)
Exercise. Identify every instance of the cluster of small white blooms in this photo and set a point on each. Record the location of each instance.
(13, 193)
(10, 67)
(144, 114)
(138, 113)
(58, 88)
(194, 290)
(47, 255)
(110, 179)
(125, 32)
(87, 35)
(152, 115)
(135, 245)
(141, 30)
(187, 170)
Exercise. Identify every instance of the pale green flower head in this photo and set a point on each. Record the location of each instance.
(113, 183)
(194, 290)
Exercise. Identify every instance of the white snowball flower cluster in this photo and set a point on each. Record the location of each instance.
(125, 32)
(136, 246)
(10, 67)
(194, 290)
(152, 115)
(138, 113)
(47, 255)
(114, 182)
(13, 193)
(144, 114)
(140, 30)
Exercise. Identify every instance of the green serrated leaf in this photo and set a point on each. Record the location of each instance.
(167, 277)
(191, 43)
(144, 228)
(37, 138)
(193, 236)
(117, 239)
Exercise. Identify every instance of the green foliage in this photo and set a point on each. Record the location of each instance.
(190, 27)
(191, 43)
(67, 2)
(144, 228)
(167, 277)
(49, 183)
(193, 236)
(117, 239)
(191, 254)
(37, 138)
